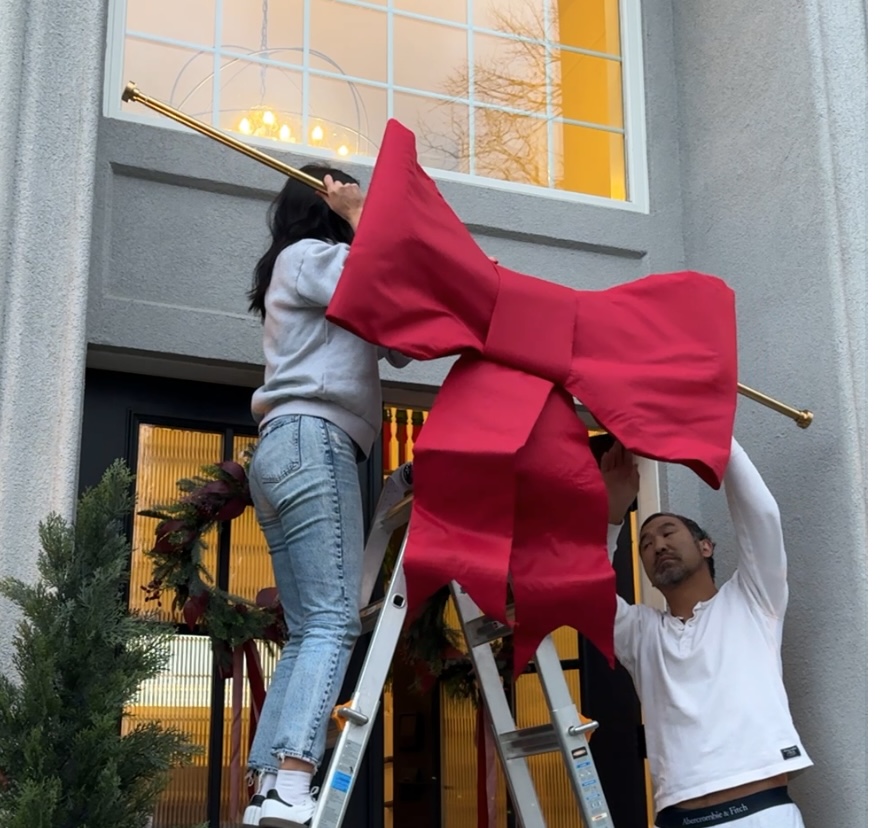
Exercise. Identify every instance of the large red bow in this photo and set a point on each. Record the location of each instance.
(504, 481)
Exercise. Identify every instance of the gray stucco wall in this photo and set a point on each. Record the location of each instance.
(773, 151)
(51, 54)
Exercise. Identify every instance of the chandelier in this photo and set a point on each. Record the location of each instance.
(272, 123)
(264, 122)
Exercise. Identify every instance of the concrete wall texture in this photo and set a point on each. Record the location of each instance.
(773, 155)
(139, 239)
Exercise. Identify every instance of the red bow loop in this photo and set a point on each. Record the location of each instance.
(430, 295)
(655, 361)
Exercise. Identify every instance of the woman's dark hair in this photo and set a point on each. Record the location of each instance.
(297, 213)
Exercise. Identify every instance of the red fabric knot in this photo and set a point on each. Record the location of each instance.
(507, 490)
(538, 315)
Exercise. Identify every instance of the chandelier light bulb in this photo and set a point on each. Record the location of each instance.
(343, 150)
(269, 117)
(317, 133)
(245, 126)
(284, 132)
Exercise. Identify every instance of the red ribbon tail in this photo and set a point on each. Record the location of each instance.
(257, 685)
(235, 759)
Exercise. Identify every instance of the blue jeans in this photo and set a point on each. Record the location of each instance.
(304, 483)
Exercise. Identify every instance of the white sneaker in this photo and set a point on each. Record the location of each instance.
(251, 819)
(276, 813)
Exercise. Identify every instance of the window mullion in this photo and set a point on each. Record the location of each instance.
(307, 66)
(549, 94)
(390, 59)
(215, 84)
(472, 113)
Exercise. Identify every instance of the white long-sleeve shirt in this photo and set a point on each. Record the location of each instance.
(715, 708)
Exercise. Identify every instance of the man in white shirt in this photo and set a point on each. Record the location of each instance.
(719, 735)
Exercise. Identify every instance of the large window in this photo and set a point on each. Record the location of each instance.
(535, 94)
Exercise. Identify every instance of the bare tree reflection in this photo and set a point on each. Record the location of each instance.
(524, 76)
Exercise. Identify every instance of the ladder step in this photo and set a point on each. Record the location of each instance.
(529, 741)
(369, 616)
(341, 715)
(485, 630)
(398, 514)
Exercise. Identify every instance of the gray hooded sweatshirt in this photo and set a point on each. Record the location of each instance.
(314, 367)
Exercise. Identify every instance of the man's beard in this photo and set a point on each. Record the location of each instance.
(672, 572)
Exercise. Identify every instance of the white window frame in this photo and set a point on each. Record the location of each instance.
(632, 83)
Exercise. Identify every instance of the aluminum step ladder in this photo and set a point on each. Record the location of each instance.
(568, 732)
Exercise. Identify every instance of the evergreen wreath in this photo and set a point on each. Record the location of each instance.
(220, 493)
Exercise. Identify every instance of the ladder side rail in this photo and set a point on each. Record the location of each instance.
(360, 715)
(386, 518)
(572, 735)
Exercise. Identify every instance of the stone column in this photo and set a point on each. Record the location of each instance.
(51, 61)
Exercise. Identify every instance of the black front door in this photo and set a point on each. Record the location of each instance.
(166, 430)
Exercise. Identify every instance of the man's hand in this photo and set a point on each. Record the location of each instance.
(346, 200)
(621, 477)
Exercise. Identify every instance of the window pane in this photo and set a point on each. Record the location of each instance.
(587, 24)
(388, 755)
(243, 26)
(430, 57)
(456, 10)
(401, 428)
(459, 778)
(587, 88)
(249, 91)
(350, 118)
(165, 455)
(511, 147)
(177, 76)
(589, 161)
(566, 641)
(250, 568)
(459, 771)
(548, 771)
(357, 47)
(268, 656)
(441, 129)
(192, 22)
(510, 73)
(525, 18)
(180, 697)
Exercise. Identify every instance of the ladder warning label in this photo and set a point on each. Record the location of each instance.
(341, 781)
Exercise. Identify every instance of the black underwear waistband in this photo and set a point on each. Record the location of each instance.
(738, 808)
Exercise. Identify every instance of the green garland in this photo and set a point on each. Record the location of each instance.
(219, 494)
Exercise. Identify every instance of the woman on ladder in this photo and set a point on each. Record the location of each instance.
(320, 412)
